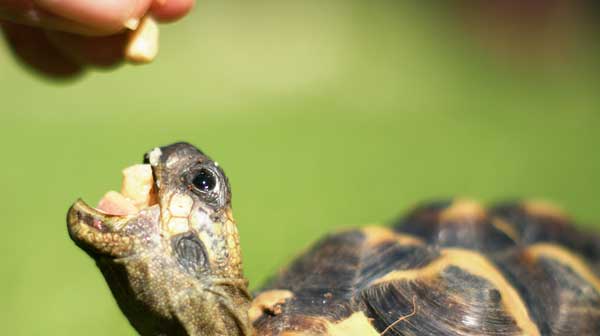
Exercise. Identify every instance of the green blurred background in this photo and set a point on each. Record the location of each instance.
(325, 114)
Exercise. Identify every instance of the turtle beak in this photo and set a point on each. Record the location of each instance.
(98, 233)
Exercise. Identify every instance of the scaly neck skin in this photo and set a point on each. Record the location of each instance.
(170, 302)
(218, 310)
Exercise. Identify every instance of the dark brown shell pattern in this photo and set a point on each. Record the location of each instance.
(446, 268)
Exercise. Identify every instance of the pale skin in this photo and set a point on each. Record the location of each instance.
(61, 38)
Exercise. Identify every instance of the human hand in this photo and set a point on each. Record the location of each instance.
(60, 38)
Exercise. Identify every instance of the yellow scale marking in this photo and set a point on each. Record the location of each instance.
(476, 265)
(566, 258)
(503, 226)
(544, 209)
(462, 209)
(376, 235)
(356, 324)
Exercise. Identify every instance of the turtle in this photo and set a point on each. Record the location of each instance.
(449, 267)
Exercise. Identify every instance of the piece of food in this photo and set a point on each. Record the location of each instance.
(142, 46)
(137, 185)
(136, 192)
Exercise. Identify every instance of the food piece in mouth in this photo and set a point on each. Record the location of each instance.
(137, 185)
(137, 192)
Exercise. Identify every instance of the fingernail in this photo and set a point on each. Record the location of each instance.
(132, 23)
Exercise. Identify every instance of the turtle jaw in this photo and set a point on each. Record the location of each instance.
(98, 233)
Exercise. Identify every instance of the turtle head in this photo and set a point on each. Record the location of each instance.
(168, 245)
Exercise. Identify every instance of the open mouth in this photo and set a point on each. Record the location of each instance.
(101, 229)
(137, 192)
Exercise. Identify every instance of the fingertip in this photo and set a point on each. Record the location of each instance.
(106, 16)
(142, 7)
(171, 10)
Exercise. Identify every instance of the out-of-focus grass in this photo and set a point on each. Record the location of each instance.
(324, 116)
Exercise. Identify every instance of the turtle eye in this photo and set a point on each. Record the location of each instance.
(208, 183)
(204, 180)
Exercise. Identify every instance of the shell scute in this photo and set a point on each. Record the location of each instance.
(447, 268)
(459, 223)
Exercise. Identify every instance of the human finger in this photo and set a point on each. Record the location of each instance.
(107, 16)
(26, 13)
(170, 10)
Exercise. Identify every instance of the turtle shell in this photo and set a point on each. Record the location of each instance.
(447, 268)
